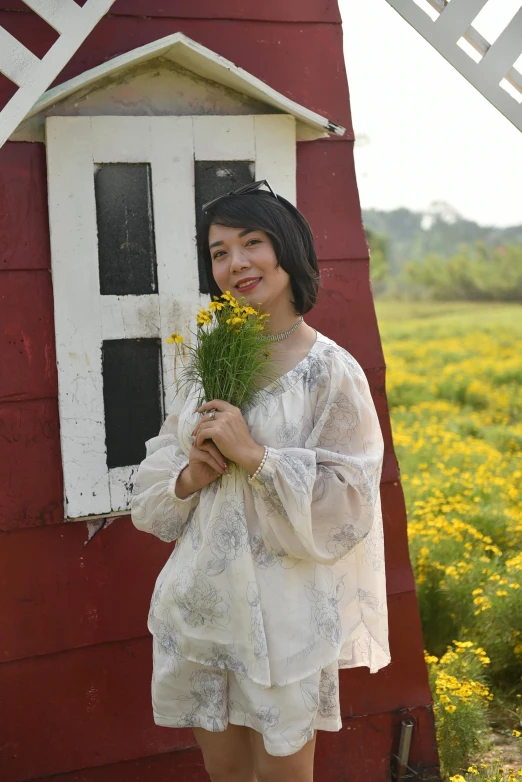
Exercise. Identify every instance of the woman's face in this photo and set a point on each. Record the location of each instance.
(246, 258)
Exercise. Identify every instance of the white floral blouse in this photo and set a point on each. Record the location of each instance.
(280, 576)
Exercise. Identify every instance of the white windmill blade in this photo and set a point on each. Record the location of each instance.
(489, 67)
(33, 75)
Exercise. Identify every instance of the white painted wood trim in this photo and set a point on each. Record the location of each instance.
(458, 17)
(200, 60)
(499, 58)
(77, 315)
(224, 140)
(16, 62)
(497, 61)
(33, 75)
(276, 153)
(83, 317)
(60, 14)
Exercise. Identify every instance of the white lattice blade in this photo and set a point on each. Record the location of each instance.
(32, 75)
(498, 60)
(495, 64)
(60, 14)
(457, 17)
(16, 62)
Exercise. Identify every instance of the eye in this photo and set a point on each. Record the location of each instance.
(217, 254)
(257, 241)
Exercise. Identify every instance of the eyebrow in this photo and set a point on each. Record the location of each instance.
(243, 233)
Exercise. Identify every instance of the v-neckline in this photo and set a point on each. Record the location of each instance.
(282, 379)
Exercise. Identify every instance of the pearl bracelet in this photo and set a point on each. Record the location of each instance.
(263, 460)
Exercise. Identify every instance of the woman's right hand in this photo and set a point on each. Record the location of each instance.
(205, 465)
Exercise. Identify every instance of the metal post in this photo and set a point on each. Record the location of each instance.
(404, 749)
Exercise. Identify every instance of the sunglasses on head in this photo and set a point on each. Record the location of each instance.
(250, 188)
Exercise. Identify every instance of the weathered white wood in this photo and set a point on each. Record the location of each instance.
(484, 75)
(172, 162)
(457, 17)
(16, 62)
(60, 14)
(32, 75)
(120, 483)
(84, 318)
(77, 315)
(502, 54)
(276, 153)
(196, 58)
(130, 317)
(236, 138)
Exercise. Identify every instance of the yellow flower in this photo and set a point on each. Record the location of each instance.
(235, 321)
(517, 733)
(174, 338)
(451, 708)
(204, 317)
(457, 778)
(215, 306)
(473, 770)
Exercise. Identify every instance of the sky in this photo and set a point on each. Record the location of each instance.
(423, 132)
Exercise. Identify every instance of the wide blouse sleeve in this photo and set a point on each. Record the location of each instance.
(319, 502)
(155, 508)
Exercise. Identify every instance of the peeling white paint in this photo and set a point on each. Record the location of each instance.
(83, 317)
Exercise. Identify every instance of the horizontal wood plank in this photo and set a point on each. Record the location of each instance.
(27, 345)
(24, 225)
(345, 312)
(327, 195)
(103, 586)
(325, 11)
(31, 488)
(364, 744)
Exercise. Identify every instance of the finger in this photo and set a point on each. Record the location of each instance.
(219, 404)
(203, 420)
(214, 451)
(205, 433)
(204, 456)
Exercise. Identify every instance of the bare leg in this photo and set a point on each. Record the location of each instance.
(228, 755)
(298, 767)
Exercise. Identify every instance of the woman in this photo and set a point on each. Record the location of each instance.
(277, 579)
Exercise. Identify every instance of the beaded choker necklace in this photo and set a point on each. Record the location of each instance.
(284, 334)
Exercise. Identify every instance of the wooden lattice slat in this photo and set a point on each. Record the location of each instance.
(455, 21)
(33, 75)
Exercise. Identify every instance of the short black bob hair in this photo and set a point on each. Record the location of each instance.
(288, 230)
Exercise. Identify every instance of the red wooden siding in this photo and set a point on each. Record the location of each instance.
(76, 661)
(90, 706)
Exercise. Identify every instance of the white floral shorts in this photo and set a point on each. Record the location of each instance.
(190, 695)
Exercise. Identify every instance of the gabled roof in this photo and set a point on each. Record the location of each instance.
(196, 58)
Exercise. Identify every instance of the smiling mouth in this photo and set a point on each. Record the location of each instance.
(248, 285)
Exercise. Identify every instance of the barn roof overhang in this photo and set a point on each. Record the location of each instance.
(203, 62)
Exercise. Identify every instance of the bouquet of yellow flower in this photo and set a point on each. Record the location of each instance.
(231, 357)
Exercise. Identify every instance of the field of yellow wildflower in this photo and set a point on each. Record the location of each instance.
(454, 384)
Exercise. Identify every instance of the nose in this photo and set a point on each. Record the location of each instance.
(238, 260)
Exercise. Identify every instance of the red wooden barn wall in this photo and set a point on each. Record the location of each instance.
(76, 656)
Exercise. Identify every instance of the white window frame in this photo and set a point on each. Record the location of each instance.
(83, 317)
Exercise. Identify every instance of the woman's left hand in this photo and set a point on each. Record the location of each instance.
(230, 433)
